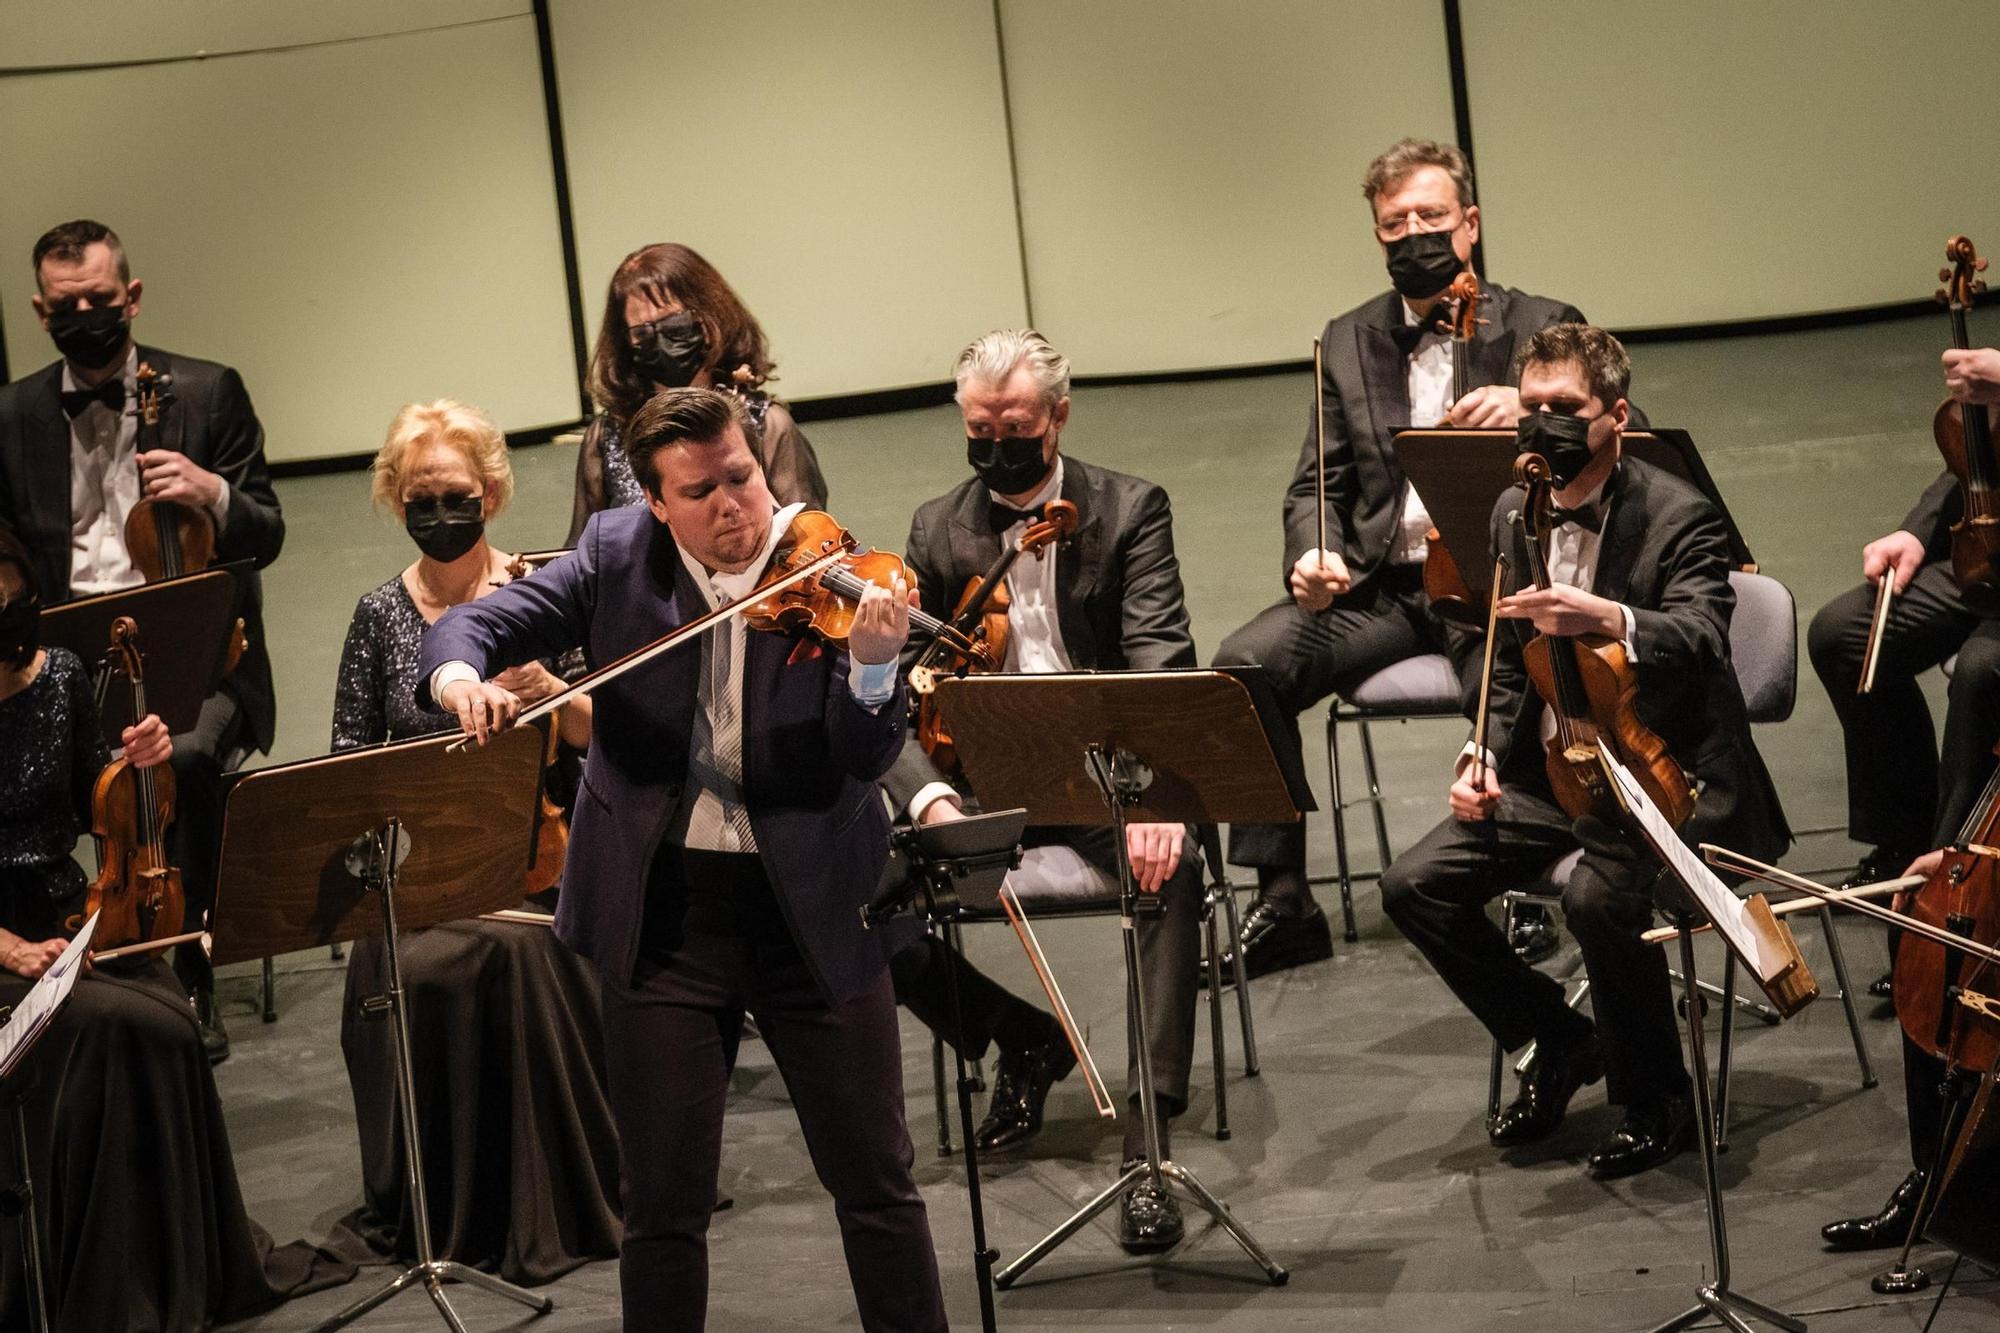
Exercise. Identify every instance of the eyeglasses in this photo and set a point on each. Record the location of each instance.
(638, 335)
(1431, 219)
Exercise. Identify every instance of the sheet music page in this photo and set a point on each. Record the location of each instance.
(39, 1005)
(1717, 901)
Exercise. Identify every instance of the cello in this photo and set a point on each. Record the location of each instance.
(1966, 442)
(1592, 691)
(1444, 583)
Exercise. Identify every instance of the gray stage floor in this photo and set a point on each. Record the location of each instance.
(1358, 1156)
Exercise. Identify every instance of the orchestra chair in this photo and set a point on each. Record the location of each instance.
(1053, 884)
(1417, 688)
(1764, 649)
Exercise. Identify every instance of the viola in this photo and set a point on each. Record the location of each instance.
(1964, 439)
(1592, 691)
(137, 893)
(1961, 898)
(1444, 583)
(981, 615)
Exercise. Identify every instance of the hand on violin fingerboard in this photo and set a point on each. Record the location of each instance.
(1973, 375)
(1565, 610)
(147, 745)
(1491, 407)
(166, 474)
(881, 623)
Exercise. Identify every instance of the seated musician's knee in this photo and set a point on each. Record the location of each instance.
(1597, 907)
(1829, 642)
(1244, 647)
(1400, 895)
(1977, 671)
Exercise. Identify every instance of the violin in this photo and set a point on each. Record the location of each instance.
(137, 894)
(1592, 690)
(1964, 439)
(823, 605)
(981, 615)
(1444, 584)
(1962, 897)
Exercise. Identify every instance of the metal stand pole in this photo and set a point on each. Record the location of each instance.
(374, 859)
(983, 1254)
(1714, 1299)
(18, 1199)
(1121, 785)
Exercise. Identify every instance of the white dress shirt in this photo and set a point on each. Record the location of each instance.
(1430, 401)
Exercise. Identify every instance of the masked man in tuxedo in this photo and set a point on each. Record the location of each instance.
(1350, 611)
(1110, 598)
(1639, 557)
(70, 473)
(727, 833)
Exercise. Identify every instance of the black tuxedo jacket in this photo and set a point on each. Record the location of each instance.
(1665, 554)
(1118, 584)
(211, 421)
(1941, 505)
(1367, 393)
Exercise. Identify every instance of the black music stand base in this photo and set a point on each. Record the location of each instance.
(374, 859)
(1121, 783)
(1714, 1300)
(1903, 1279)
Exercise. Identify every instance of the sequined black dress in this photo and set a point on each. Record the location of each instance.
(143, 1222)
(521, 1161)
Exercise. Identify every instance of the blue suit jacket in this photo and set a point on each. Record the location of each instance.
(811, 754)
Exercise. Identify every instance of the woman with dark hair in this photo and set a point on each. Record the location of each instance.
(670, 322)
(142, 1219)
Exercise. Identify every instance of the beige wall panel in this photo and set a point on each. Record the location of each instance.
(1706, 160)
(844, 165)
(352, 226)
(38, 33)
(1190, 172)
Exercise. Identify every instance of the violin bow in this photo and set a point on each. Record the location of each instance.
(1871, 657)
(1017, 917)
(1479, 719)
(1319, 442)
(638, 657)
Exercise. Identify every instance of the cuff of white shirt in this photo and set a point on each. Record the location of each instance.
(445, 675)
(928, 795)
(1631, 644)
(1468, 752)
(219, 507)
(872, 683)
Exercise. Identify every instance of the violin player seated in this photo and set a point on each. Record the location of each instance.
(509, 1052)
(1638, 556)
(123, 1062)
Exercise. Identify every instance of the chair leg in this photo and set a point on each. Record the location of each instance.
(975, 1070)
(1839, 959)
(938, 1097)
(1243, 1015)
(1216, 1043)
(270, 992)
(1382, 854)
(1726, 1051)
(1340, 825)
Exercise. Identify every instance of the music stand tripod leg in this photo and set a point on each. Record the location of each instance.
(1903, 1279)
(378, 864)
(1119, 792)
(21, 1195)
(1715, 1299)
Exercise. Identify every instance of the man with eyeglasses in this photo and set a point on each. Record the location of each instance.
(1358, 607)
(71, 472)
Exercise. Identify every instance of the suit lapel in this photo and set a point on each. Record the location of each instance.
(1624, 534)
(46, 465)
(1493, 347)
(1077, 564)
(974, 545)
(1384, 371)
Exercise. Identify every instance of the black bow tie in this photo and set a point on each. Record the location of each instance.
(1002, 516)
(1588, 517)
(1407, 336)
(111, 393)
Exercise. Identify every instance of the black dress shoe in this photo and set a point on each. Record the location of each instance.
(1020, 1086)
(1653, 1132)
(1879, 864)
(1534, 936)
(214, 1036)
(1273, 939)
(1148, 1218)
(1552, 1078)
(1886, 1229)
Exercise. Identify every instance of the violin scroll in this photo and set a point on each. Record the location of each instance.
(1961, 283)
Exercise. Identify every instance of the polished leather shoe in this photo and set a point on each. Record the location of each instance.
(1020, 1086)
(1652, 1133)
(1534, 937)
(1148, 1218)
(1886, 1229)
(1552, 1078)
(214, 1036)
(1273, 939)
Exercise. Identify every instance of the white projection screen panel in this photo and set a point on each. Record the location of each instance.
(1704, 160)
(353, 225)
(35, 35)
(844, 166)
(1190, 172)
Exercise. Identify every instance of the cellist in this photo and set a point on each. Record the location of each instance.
(1930, 620)
(1640, 558)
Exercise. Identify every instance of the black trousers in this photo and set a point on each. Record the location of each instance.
(716, 946)
(1309, 656)
(1169, 969)
(199, 758)
(1436, 893)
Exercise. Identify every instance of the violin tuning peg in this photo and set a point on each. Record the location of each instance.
(1944, 275)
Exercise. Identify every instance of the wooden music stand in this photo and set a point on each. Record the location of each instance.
(1459, 475)
(184, 626)
(1108, 748)
(435, 837)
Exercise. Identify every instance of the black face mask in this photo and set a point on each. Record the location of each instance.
(1011, 465)
(444, 530)
(89, 338)
(18, 623)
(674, 353)
(1563, 440)
(1422, 263)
